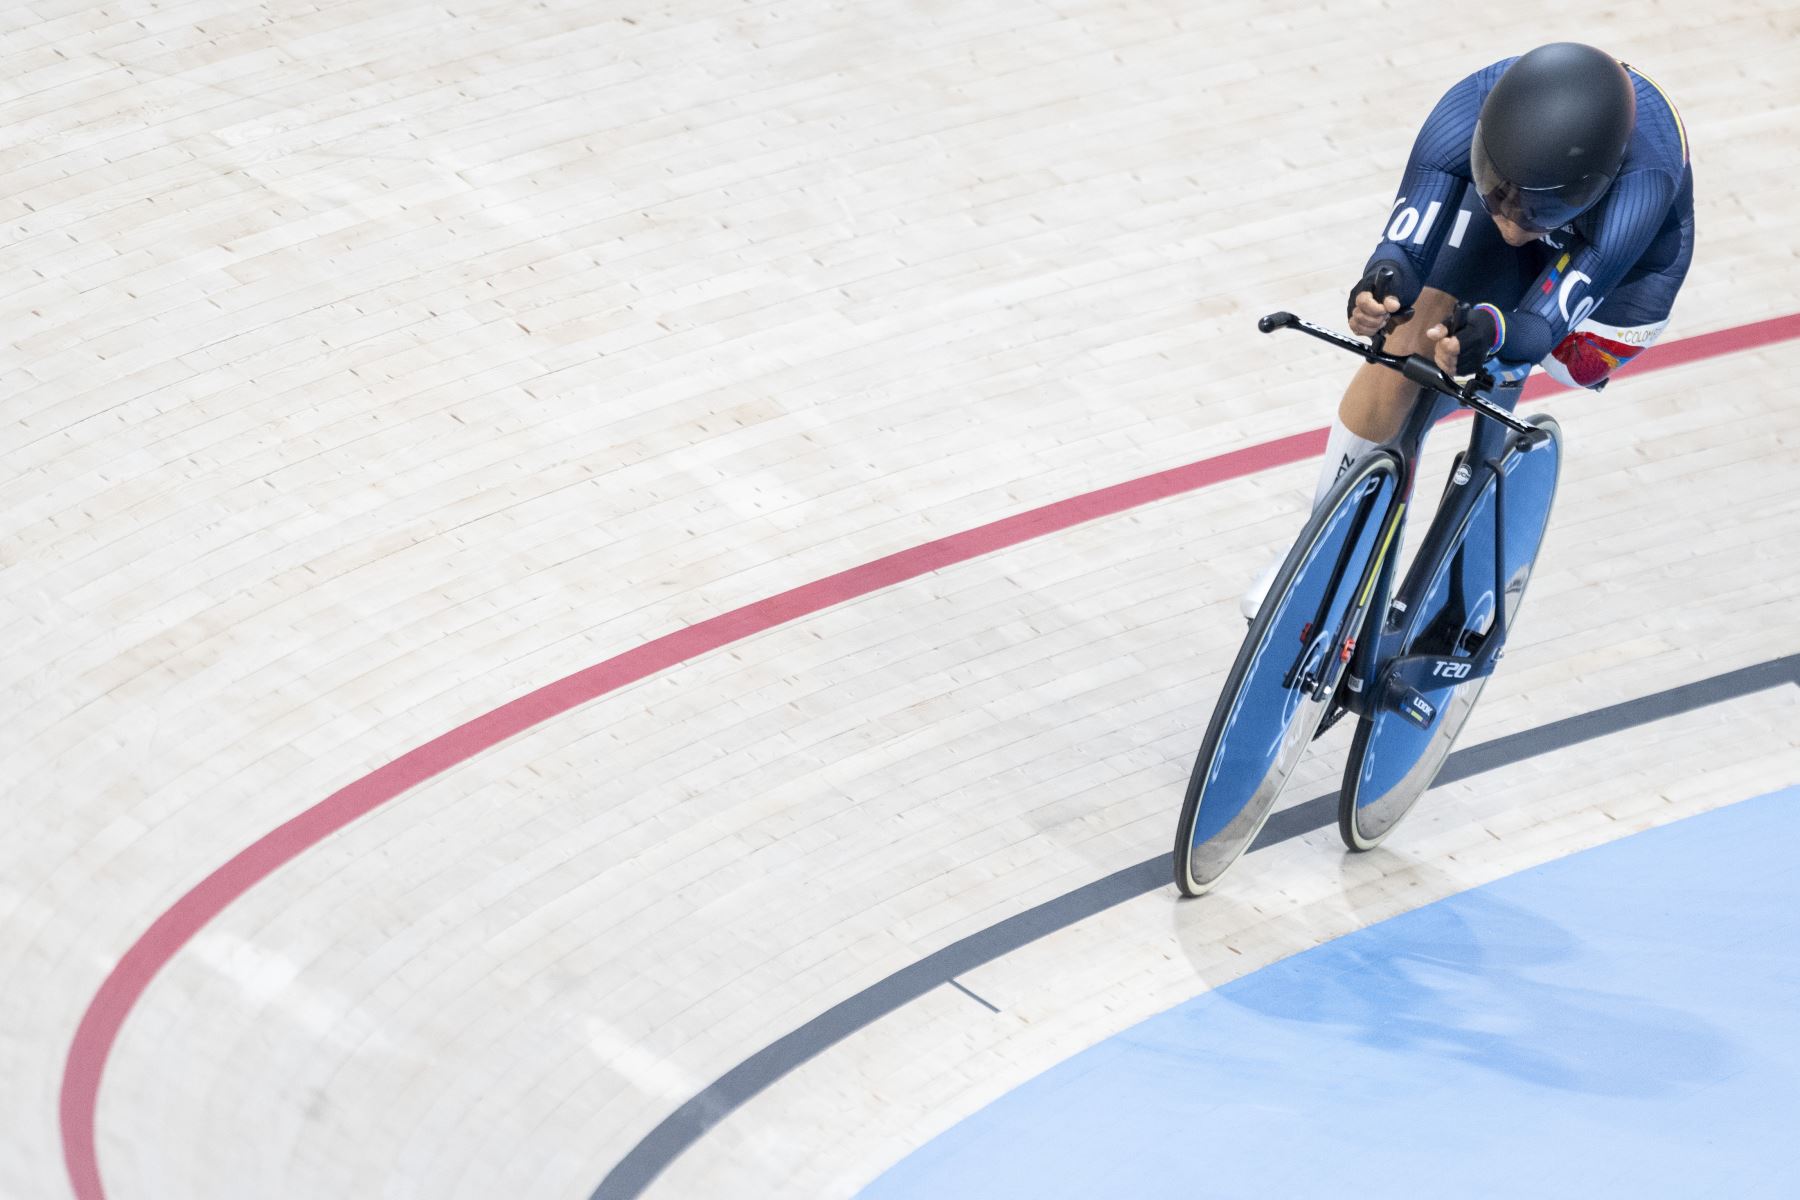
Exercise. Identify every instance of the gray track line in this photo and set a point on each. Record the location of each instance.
(687, 1124)
(971, 995)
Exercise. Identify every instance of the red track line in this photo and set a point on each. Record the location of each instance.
(119, 993)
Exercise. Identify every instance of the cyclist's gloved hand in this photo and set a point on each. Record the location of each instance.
(1468, 339)
(1373, 304)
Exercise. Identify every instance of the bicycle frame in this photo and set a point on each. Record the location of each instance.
(1491, 446)
(1496, 438)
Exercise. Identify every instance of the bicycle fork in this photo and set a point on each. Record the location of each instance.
(1332, 648)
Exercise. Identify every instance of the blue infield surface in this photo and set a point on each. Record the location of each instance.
(1623, 1022)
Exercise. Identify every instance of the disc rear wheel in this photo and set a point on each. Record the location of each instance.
(1394, 758)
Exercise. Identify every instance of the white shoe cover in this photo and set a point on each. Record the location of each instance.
(1252, 599)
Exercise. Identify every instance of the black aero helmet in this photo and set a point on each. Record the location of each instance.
(1552, 134)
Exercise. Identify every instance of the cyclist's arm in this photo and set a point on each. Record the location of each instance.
(1579, 278)
(1425, 209)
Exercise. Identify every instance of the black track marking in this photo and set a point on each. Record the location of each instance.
(687, 1124)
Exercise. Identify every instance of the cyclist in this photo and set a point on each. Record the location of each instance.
(1546, 216)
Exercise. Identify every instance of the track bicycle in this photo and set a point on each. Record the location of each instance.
(1334, 637)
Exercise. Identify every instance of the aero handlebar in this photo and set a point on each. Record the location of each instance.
(1417, 368)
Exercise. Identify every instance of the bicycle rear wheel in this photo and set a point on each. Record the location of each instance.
(1266, 715)
(1394, 760)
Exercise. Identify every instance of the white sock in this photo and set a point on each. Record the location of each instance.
(1342, 448)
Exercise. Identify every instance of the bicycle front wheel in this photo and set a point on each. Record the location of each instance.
(1394, 759)
(1266, 713)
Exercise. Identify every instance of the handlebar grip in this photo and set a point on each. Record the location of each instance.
(1275, 320)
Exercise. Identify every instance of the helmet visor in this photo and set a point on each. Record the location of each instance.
(1537, 209)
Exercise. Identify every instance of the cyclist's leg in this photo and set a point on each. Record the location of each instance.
(1374, 405)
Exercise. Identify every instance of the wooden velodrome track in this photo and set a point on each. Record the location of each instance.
(369, 366)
